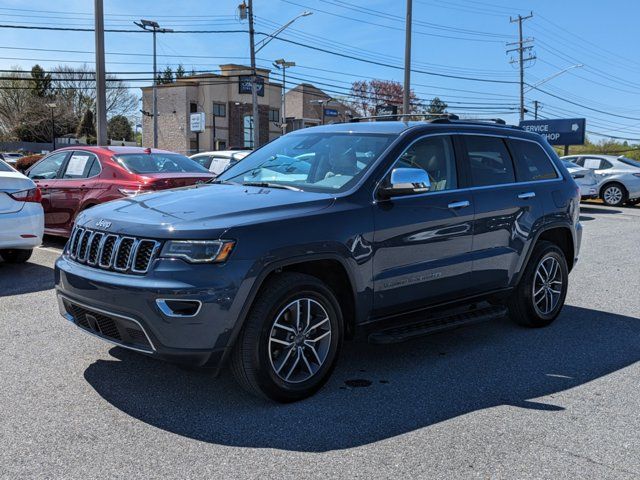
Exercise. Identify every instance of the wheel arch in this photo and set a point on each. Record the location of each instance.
(608, 183)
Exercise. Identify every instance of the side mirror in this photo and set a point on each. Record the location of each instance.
(406, 181)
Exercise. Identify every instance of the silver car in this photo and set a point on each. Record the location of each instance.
(585, 179)
(618, 177)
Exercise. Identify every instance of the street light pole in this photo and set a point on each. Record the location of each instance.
(101, 85)
(254, 86)
(407, 60)
(282, 63)
(154, 27)
(52, 106)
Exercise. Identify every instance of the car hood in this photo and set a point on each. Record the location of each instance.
(200, 211)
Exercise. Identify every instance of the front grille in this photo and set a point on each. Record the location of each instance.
(123, 331)
(112, 252)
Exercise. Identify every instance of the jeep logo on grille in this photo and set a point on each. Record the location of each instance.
(103, 224)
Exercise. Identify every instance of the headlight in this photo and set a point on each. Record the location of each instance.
(198, 251)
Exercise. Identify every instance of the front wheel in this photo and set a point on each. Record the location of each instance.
(290, 342)
(15, 255)
(540, 295)
(614, 195)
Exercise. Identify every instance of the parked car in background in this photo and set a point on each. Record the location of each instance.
(11, 158)
(618, 177)
(217, 162)
(73, 179)
(585, 179)
(21, 215)
(397, 229)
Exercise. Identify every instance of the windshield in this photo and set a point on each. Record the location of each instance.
(159, 163)
(630, 161)
(319, 162)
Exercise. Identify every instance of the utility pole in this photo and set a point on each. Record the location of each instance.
(254, 86)
(536, 104)
(407, 60)
(101, 85)
(153, 27)
(521, 48)
(282, 63)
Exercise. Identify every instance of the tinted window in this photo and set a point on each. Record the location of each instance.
(580, 162)
(204, 160)
(48, 167)
(79, 165)
(435, 156)
(159, 163)
(324, 162)
(4, 167)
(629, 161)
(489, 161)
(605, 164)
(95, 168)
(532, 162)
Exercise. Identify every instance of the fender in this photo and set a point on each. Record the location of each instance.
(259, 281)
(534, 241)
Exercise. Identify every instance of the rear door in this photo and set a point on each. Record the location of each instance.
(423, 241)
(507, 212)
(74, 185)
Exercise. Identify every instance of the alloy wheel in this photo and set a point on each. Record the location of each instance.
(547, 286)
(613, 195)
(299, 340)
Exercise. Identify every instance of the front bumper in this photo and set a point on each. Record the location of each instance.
(122, 308)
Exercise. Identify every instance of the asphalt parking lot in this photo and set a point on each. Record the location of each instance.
(489, 401)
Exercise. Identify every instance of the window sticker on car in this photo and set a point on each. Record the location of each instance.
(592, 163)
(219, 165)
(77, 164)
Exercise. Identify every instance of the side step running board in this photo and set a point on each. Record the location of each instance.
(436, 324)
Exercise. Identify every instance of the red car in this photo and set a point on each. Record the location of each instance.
(75, 178)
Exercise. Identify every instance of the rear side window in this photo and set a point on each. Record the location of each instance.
(490, 162)
(80, 165)
(532, 162)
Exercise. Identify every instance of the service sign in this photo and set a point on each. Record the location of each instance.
(197, 122)
(330, 112)
(244, 85)
(563, 131)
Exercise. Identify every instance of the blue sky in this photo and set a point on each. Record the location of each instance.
(452, 38)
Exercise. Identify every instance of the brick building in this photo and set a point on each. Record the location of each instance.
(225, 99)
(308, 106)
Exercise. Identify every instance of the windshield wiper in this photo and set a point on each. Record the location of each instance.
(271, 185)
(220, 181)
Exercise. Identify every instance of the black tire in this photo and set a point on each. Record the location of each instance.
(15, 255)
(251, 360)
(522, 307)
(620, 198)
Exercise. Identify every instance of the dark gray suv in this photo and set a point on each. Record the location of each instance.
(381, 230)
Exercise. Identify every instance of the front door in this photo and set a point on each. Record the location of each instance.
(45, 174)
(423, 241)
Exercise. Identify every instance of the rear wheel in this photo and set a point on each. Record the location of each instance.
(15, 255)
(614, 194)
(290, 342)
(540, 295)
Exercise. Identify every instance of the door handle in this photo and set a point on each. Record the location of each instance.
(456, 205)
(526, 195)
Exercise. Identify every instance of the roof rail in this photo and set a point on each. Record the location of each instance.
(476, 121)
(408, 116)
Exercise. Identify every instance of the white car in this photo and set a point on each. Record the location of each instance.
(21, 215)
(11, 158)
(585, 179)
(217, 162)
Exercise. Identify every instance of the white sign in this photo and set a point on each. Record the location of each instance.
(592, 163)
(76, 165)
(197, 122)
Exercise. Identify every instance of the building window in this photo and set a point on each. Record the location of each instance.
(219, 110)
(193, 107)
(222, 145)
(248, 131)
(274, 115)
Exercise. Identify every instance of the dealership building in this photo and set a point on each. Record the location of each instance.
(225, 100)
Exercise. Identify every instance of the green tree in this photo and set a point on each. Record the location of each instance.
(437, 106)
(40, 82)
(180, 71)
(166, 76)
(87, 128)
(119, 128)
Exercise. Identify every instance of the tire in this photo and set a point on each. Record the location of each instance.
(529, 309)
(614, 194)
(15, 255)
(261, 362)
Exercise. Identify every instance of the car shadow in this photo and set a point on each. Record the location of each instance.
(599, 210)
(378, 392)
(19, 278)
